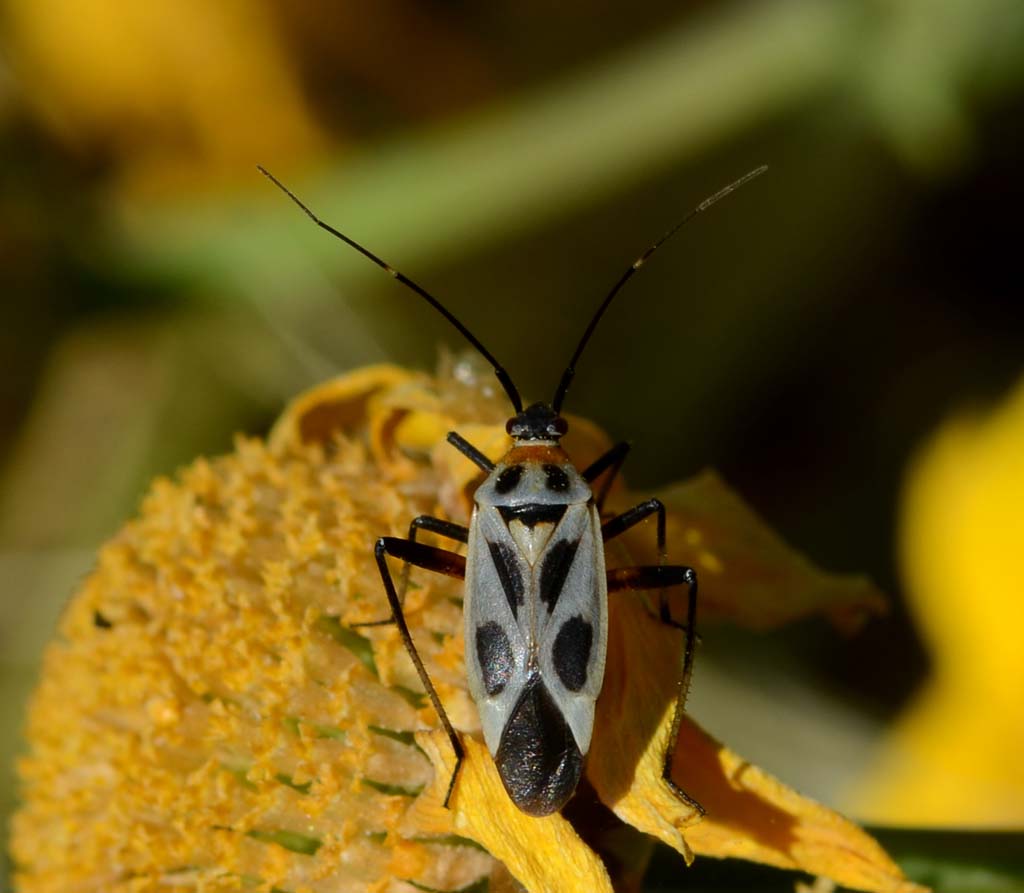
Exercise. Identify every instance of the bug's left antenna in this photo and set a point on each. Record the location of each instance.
(499, 370)
(570, 370)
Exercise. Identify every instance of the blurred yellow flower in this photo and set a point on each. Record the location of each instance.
(955, 757)
(179, 89)
(209, 719)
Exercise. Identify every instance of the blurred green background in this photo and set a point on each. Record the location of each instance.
(803, 338)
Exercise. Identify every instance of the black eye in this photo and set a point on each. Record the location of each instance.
(508, 479)
(558, 480)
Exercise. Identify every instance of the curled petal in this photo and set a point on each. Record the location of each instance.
(751, 815)
(756, 579)
(338, 406)
(632, 726)
(544, 854)
(748, 814)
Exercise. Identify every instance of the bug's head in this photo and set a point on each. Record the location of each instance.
(537, 422)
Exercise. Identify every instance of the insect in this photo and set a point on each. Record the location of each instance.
(536, 586)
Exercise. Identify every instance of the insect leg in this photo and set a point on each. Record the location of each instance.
(642, 578)
(435, 525)
(621, 523)
(442, 562)
(448, 529)
(612, 459)
(470, 452)
(631, 517)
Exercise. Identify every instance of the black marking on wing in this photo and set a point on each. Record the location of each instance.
(508, 479)
(505, 564)
(538, 759)
(558, 480)
(533, 513)
(555, 570)
(571, 652)
(494, 653)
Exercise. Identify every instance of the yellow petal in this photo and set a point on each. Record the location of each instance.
(749, 815)
(631, 728)
(753, 577)
(176, 89)
(544, 854)
(338, 406)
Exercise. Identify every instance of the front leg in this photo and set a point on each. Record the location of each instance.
(613, 460)
(442, 562)
(639, 579)
(434, 525)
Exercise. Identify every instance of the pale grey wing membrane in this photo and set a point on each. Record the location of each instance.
(567, 629)
(573, 639)
(497, 651)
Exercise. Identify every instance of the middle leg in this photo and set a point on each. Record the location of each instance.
(630, 518)
(639, 579)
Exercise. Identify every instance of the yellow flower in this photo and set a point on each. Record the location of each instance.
(955, 757)
(178, 90)
(209, 719)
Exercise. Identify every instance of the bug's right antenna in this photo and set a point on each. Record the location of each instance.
(499, 370)
(570, 370)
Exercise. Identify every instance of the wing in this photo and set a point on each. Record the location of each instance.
(496, 599)
(548, 620)
(572, 618)
(536, 639)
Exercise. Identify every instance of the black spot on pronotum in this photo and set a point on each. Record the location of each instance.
(571, 652)
(504, 558)
(494, 653)
(538, 759)
(555, 570)
(558, 480)
(100, 621)
(508, 479)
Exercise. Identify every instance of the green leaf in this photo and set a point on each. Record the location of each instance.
(287, 780)
(417, 699)
(408, 738)
(292, 724)
(303, 844)
(359, 645)
(393, 790)
(451, 840)
(241, 774)
(959, 861)
(480, 886)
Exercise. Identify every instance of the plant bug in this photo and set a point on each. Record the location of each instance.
(536, 586)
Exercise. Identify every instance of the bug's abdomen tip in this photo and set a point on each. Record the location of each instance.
(538, 759)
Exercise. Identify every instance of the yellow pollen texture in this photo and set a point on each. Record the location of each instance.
(213, 715)
(208, 718)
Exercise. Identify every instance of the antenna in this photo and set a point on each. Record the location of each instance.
(570, 370)
(499, 370)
